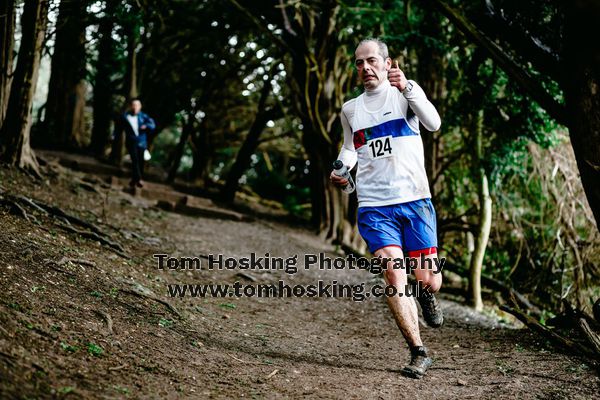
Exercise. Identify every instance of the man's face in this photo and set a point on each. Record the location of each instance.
(372, 67)
(136, 106)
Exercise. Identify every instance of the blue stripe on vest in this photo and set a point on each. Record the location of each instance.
(395, 128)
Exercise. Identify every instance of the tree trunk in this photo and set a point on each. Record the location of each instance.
(7, 44)
(64, 121)
(200, 153)
(318, 90)
(582, 94)
(103, 87)
(14, 135)
(186, 133)
(328, 204)
(244, 155)
(485, 217)
(319, 81)
(129, 89)
(431, 71)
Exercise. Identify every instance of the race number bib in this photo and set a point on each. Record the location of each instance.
(380, 147)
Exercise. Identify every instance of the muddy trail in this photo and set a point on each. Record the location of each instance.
(87, 315)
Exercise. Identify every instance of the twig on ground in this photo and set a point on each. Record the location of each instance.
(272, 374)
(243, 361)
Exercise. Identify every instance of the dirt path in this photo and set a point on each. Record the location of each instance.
(54, 319)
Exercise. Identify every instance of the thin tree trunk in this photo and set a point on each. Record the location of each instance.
(7, 44)
(103, 87)
(64, 121)
(200, 153)
(186, 133)
(14, 135)
(485, 217)
(431, 70)
(244, 155)
(129, 88)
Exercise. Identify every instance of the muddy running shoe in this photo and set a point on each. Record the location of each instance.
(419, 363)
(432, 311)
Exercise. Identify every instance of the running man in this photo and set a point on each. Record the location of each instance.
(138, 128)
(395, 214)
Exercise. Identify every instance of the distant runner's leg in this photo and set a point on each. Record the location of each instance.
(135, 169)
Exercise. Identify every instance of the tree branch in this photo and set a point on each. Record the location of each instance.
(527, 46)
(527, 82)
(262, 26)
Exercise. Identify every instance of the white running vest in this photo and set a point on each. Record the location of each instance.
(391, 162)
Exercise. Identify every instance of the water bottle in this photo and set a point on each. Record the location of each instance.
(341, 170)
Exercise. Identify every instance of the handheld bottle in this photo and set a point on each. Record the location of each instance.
(342, 171)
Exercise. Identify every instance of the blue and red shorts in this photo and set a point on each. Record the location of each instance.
(411, 226)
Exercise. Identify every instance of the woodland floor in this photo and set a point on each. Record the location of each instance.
(55, 341)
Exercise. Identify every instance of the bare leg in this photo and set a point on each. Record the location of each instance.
(404, 309)
(428, 276)
(431, 281)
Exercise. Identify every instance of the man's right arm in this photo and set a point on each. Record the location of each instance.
(347, 153)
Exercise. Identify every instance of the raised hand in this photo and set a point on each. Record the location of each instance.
(396, 77)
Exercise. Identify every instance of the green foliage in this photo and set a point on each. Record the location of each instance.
(94, 349)
(68, 347)
(165, 323)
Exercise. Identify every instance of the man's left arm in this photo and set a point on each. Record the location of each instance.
(416, 98)
(421, 106)
(149, 124)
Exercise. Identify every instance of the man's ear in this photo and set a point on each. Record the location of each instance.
(388, 63)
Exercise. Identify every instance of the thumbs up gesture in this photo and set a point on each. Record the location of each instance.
(396, 77)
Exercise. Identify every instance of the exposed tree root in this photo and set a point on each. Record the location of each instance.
(154, 298)
(95, 236)
(550, 334)
(18, 204)
(108, 319)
